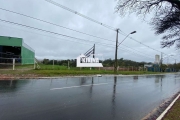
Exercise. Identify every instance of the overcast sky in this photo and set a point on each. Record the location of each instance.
(53, 46)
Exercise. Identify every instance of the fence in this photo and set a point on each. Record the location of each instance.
(125, 68)
(8, 55)
(16, 64)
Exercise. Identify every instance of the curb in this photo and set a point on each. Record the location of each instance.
(93, 75)
(167, 109)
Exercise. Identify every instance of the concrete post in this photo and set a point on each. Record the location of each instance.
(68, 64)
(34, 64)
(13, 64)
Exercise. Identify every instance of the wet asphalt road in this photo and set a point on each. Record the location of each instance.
(85, 98)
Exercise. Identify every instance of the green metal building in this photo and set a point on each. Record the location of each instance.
(11, 47)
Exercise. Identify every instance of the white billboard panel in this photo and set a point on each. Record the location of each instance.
(83, 61)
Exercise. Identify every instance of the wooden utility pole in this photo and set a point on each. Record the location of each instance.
(115, 63)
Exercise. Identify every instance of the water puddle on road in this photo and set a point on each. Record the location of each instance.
(85, 98)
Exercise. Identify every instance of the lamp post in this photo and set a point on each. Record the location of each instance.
(117, 45)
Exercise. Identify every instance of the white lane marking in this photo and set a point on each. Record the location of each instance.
(167, 109)
(77, 86)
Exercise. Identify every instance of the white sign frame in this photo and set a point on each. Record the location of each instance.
(83, 61)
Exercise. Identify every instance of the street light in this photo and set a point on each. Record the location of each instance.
(117, 45)
(126, 37)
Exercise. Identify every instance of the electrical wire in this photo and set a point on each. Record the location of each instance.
(138, 41)
(75, 12)
(141, 43)
(70, 10)
(102, 44)
(95, 21)
(54, 24)
(133, 49)
(43, 30)
(69, 28)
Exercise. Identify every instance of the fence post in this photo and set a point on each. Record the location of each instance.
(13, 64)
(34, 64)
(68, 64)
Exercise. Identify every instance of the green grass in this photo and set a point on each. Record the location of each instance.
(51, 67)
(24, 66)
(56, 70)
(71, 72)
(174, 112)
(58, 67)
(86, 72)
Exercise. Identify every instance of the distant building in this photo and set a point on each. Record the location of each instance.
(157, 59)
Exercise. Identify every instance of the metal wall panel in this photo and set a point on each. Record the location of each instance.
(27, 56)
(10, 41)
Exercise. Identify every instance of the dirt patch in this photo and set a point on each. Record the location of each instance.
(18, 76)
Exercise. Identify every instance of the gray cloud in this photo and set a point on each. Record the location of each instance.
(57, 47)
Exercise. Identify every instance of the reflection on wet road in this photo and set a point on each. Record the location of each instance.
(85, 98)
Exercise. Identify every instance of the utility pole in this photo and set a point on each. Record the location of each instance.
(115, 63)
(117, 45)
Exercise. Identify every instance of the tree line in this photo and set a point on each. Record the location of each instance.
(106, 63)
(109, 63)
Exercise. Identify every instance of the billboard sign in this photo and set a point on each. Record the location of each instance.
(84, 61)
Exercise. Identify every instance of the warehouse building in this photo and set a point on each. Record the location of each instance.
(11, 47)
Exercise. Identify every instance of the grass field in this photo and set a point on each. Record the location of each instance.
(51, 73)
(56, 70)
(174, 112)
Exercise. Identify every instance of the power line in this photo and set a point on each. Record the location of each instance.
(63, 26)
(125, 49)
(142, 43)
(70, 10)
(102, 44)
(53, 24)
(138, 41)
(75, 12)
(43, 30)
(133, 49)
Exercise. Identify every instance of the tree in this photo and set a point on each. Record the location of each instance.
(166, 18)
(45, 61)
